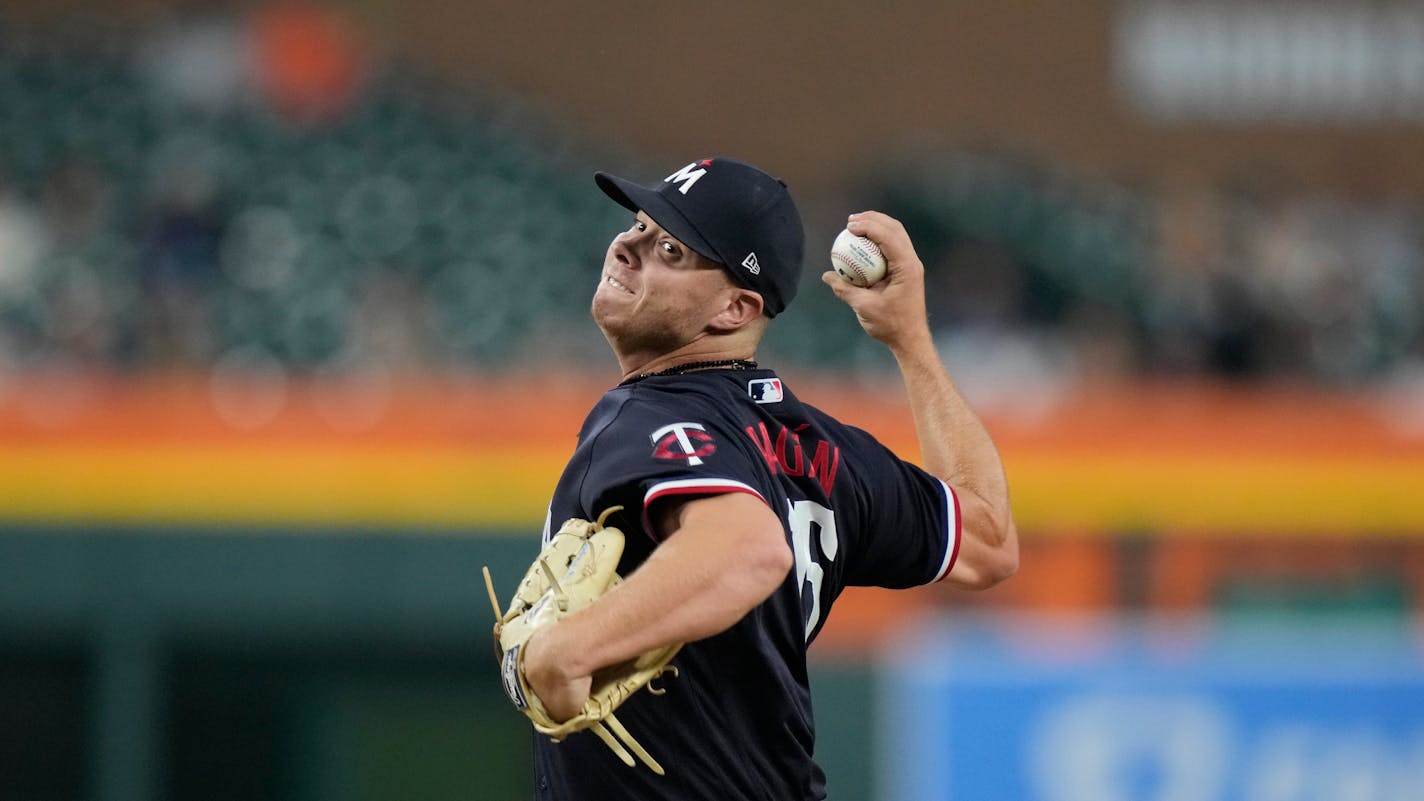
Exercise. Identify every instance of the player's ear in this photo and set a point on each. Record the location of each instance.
(742, 306)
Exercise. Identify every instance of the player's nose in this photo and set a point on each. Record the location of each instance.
(623, 252)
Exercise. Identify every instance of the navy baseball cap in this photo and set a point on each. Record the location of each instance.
(732, 213)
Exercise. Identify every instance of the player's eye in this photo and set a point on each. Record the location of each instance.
(670, 248)
(639, 225)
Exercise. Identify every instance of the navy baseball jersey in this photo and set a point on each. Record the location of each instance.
(736, 724)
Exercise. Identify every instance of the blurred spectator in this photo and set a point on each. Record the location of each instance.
(24, 241)
(179, 251)
(308, 60)
(200, 64)
(390, 325)
(24, 244)
(75, 201)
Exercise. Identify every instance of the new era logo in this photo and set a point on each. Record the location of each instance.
(750, 262)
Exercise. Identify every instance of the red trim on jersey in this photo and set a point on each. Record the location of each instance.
(953, 501)
(692, 487)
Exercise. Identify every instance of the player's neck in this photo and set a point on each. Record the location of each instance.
(688, 359)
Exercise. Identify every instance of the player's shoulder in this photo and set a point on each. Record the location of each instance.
(718, 405)
(633, 412)
(856, 443)
(709, 395)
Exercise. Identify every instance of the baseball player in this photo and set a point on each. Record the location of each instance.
(746, 511)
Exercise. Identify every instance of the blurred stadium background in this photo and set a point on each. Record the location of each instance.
(293, 339)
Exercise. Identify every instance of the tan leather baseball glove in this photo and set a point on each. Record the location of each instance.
(575, 569)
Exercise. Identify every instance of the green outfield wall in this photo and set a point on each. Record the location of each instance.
(327, 665)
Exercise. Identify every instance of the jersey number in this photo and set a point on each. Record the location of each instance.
(804, 516)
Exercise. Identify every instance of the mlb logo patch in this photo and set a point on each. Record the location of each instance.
(765, 390)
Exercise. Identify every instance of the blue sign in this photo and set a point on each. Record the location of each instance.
(1035, 709)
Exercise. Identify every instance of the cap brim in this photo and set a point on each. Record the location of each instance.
(636, 197)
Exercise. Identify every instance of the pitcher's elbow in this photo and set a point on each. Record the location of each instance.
(1001, 563)
(1005, 568)
(764, 567)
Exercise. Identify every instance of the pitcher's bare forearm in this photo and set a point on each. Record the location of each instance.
(954, 443)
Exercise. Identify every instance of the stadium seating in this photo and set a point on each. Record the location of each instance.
(434, 226)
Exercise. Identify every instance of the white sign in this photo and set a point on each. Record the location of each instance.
(1239, 62)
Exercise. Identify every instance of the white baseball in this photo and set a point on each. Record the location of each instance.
(857, 259)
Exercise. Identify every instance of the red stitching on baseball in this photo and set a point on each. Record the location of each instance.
(865, 242)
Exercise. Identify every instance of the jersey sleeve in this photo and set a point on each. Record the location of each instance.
(909, 521)
(650, 452)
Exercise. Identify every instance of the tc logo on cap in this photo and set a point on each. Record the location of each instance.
(687, 176)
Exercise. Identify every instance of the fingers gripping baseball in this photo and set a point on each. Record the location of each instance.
(888, 233)
(893, 310)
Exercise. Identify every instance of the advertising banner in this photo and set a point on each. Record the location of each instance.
(1040, 709)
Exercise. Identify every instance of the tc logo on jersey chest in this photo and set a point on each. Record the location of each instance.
(765, 390)
(688, 441)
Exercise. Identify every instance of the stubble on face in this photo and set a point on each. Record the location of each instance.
(649, 329)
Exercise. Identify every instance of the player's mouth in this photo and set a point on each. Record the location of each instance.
(613, 282)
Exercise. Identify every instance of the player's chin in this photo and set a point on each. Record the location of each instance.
(606, 305)
(615, 317)
(640, 333)
(613, 296)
